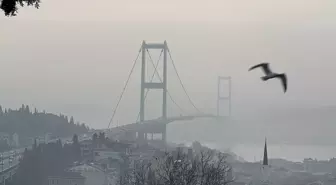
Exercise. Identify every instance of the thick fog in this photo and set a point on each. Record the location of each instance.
(76, 60)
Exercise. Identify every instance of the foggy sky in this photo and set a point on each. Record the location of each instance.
(75, 60)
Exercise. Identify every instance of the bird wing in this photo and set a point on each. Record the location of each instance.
(283, 78)
(264, 66)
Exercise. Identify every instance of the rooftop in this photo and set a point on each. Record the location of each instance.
(85, 168)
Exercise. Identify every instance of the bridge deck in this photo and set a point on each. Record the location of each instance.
(155, 125)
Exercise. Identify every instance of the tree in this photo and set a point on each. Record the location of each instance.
(47, 159)
(102, 137)
(72, 120)
(197, 147)
(75, 139)
(22, 108)
(27, 124)
(1, 111)
(95, 139)
(214, 168)
(10, 7)
(35, 144)
(76, 147)
(27, 110)
(59, 143)
(35, 111)
(209, 168)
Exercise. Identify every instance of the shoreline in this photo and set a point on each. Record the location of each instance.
(292, 153)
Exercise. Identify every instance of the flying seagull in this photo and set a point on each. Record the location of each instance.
(269, 74)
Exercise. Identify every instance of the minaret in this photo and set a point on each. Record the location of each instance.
(265, 160)
(265, 168)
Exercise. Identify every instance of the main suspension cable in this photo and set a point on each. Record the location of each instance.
(124, 89)
(185, 91)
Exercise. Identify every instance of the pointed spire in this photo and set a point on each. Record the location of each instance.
(265, 161)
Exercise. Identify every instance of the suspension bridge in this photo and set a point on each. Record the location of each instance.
(142, 128)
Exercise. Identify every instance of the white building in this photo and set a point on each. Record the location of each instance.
(108, 158)
(66, 178)
(94, 175)
(86, 147)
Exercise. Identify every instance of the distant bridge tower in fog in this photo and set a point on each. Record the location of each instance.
(221, 98)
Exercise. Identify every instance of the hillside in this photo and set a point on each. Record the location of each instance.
(28, 124)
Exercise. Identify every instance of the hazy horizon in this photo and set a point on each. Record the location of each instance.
(63, 77)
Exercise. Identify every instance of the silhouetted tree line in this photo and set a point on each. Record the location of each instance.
(29, 123)
(46, 159)
(99, 139)
(10, 7)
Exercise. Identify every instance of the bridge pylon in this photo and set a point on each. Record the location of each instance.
(153, 85)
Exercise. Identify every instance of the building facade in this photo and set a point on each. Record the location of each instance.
(86, 147)
(94, 175)
(66, 178)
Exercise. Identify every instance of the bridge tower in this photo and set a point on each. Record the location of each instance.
(153, 85)
(221, 98)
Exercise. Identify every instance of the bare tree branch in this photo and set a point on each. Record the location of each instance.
(209, 168)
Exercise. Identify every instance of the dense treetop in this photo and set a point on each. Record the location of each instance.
(44, 160)
(28, 124)
(10, 7)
